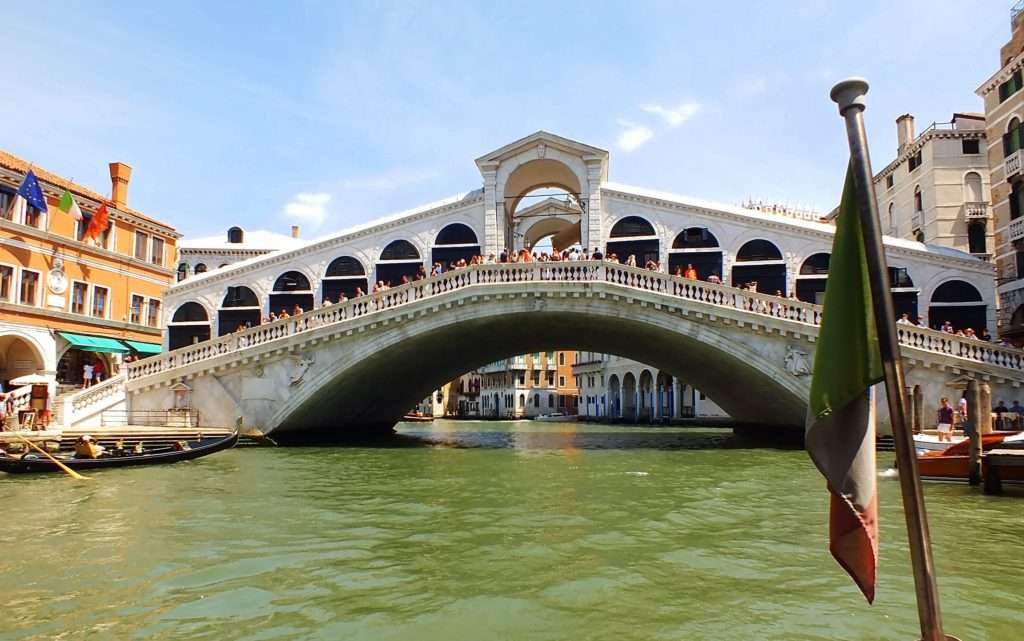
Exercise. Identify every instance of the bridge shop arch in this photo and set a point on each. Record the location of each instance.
(634, 236)
(904, 293)
(629, 396)
(810, 282)
(645, 396)
(190, 324)
(399, 259)
(696, 246)
(960, 303)
(240, 308)
(344, 275)
(614, 397)
(290, 289)
(760, 261)
(453, 243)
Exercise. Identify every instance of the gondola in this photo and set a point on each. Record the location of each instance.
(33, 462)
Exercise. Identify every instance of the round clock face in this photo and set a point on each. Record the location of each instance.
(57, 281)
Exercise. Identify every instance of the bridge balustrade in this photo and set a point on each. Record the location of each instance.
(718, 295)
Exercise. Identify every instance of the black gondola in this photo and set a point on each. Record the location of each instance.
(38, 463)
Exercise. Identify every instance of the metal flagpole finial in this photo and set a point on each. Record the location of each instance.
(850, 93)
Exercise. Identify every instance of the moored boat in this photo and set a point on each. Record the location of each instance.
(930, 442)
(953, 463)
(33, 462)
(417, 418)
(556, 417)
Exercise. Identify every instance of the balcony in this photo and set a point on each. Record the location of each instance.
(1016, 229)
(1012, 164)
(975, 211)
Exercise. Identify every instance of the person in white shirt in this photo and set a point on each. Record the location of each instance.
(904, 319)
(86, 375)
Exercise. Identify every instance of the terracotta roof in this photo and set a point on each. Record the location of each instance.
(12, 162)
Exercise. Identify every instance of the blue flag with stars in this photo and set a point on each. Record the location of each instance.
(32, 192)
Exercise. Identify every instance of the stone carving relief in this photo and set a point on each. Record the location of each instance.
(797, 363)
(302, 364)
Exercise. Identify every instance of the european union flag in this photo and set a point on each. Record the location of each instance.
(32, 192)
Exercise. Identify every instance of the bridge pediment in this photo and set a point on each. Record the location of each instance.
(538, 145)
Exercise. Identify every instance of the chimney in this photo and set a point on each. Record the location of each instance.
(120, 174)
(295, 231)
(904, 132)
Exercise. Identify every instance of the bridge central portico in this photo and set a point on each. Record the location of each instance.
(365, 361)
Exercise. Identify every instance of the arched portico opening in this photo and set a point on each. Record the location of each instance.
(629, 397)
(190, 324)
(961, 304)
(634, 236)
(645, 397)
(760, 261)
(291, 289)
(665, 396)
(345, 275)
(810, 282)
(240, 308)
(614, 397)
(904, 293)
(696, 246)
(400, 259)
(18, 357)
(454, 242)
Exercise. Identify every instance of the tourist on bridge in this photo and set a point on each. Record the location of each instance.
(715, 279)
(947, 327)
(945, 425)
(691, 271)
(97, 372)
(631, 261)
(421, 273)
(597, 254)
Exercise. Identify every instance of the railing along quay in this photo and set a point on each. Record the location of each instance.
(717, 295)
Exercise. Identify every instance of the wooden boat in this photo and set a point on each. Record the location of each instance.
(953, 463)
(35, 462)
(924, 443)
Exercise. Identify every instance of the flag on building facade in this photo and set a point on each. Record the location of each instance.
(97, 224)
(68, 205)
(32, 192)
(840, 434)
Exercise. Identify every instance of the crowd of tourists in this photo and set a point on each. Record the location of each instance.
(948, 328)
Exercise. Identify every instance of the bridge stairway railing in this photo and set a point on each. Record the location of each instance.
(716, 295)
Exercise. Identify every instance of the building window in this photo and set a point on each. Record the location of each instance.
(970, 147)
(561, 381)
(1010, 87)
(201, 268)
(1012, 138)
(182, 272)
(136, 310)
(561, 358)
(976, 238)
(6, 281)
(140, 245)
(156, 251)
(918, 201)
(551, 379)
(551, 401)
(1016, 201)
(153, 313)
(892, 219)
(235, 235)
(33, 217)
(536, 377)
(99, 301)
(83, 225)
(5, 205)
(888, 181)
(1020, 263)
(79, 293)
(914, 161)
(29, 292)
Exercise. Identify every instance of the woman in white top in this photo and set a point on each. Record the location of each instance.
(86, 375)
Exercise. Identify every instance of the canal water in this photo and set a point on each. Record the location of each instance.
(486, 531)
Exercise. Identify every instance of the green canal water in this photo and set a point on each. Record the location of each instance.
(485, 531)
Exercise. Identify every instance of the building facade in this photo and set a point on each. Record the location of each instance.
(1004, 114)
(529, 385)
(200, 255)
(614, 388)
(936, 191)
(66, 302)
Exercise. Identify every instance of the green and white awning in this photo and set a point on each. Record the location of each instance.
(144, 348)
(95, 343)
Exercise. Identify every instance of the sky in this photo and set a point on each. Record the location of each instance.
(331, 114)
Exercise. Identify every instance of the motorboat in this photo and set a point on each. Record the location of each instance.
(953, 463)
(929, 442)
(181, 451)
(556, 417)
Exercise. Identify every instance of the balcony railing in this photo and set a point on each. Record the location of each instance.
(1016, 229)
(975, 211)
(1012, 164)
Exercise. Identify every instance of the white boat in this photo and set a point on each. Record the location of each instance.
(556, 417)
(931, 443)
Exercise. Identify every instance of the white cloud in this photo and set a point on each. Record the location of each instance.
(633, 135)
(674, 116)
(311, 208)
(752, 87)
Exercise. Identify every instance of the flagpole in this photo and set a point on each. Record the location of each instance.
(849, 94)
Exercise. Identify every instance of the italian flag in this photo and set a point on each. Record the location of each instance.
(68, 205)
(840, 418)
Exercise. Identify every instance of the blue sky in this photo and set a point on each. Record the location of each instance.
(331, 114)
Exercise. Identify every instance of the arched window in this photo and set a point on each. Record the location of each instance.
(960, 303)
(551, 401)
(972, 187)
(816, 265)
(892, 218)
(810, 283)
(235, 235)
(536, 400)
(694, 238)
(189, 324)
(240, 308)
(698, 247)
(561, 358)
(454, 243)
(918, 202)
(291, 289)
(182, 271)
(345, 275)
(400, 250)
(631, 227)
(977, 243)
(200, 268)
(904, 294)
(1012, 137)
(759, 265)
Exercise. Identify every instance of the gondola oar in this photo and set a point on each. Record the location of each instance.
(74, 474)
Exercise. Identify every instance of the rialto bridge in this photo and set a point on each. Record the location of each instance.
(363, 363)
